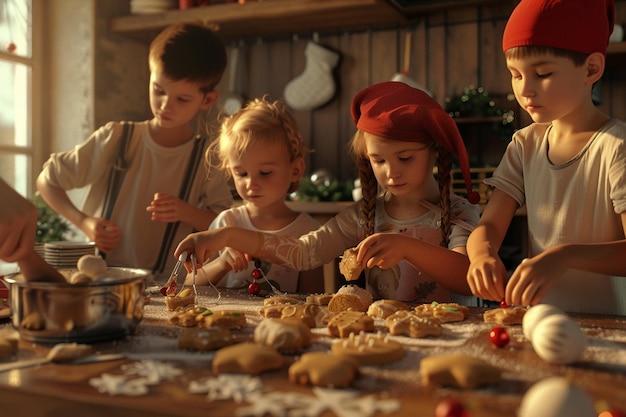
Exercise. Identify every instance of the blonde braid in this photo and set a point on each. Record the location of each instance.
(444, 168)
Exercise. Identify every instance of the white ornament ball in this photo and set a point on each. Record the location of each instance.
(558, 339)
(556, 397)
(534, 315)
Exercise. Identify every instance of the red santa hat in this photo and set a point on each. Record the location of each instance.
(393, 110)
(575, 25)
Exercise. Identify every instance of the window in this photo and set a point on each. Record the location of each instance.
(16, 99)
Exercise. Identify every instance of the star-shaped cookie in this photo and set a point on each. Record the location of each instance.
(246, 358)
(458, 370)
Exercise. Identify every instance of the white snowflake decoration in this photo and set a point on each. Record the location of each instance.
(237, 387)
(119, 385)
(341, 402)
(153, 371)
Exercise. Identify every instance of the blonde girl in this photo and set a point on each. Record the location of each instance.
(261, 150)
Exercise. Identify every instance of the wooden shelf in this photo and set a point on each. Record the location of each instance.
(616, 48)
(269, 18)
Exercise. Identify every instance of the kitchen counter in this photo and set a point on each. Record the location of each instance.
(60, 389)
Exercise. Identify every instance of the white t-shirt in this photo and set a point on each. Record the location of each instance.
(285, 276)
(579, 201)
(152, 168)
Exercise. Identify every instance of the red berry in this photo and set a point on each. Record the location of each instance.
(256, 273)
(450, 407)
(499, 336)
(503, 304)
(254, 288)
(163, 291)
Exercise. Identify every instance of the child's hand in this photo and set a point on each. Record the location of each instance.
(204, 245)
(103, 232)
(165, 208)
(233, 259)
(383, 250)
(487, 277)
(532, 280)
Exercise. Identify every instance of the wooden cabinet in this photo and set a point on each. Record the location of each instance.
(616, 56)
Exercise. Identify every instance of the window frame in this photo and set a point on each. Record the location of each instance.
(37, 149)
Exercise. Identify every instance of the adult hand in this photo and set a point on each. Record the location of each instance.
(103, 232)
(487, 277)
(533, 279)
(165, 208)
(18, 225)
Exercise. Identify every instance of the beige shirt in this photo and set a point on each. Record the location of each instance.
(579, 201)
(152, 168)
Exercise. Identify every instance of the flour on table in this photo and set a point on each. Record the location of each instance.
(149, 372)
(119, 385)
(343, 403)
(236, 387)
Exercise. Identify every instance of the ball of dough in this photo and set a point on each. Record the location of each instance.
(534, 315)
(559, 339)
(92, 265)
(80, 277)
(556, 397)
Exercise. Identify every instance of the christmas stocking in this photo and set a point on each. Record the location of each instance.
(315, 86)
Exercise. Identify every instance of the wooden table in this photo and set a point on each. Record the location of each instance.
(64, 389)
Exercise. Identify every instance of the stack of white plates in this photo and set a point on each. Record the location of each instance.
(152, 6)
(66, 254)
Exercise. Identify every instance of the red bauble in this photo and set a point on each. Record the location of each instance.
(450, 407)
(499, 336)
(254, 288)
(256, 273)
(503, 304)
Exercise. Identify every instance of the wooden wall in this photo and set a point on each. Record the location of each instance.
(449, 50)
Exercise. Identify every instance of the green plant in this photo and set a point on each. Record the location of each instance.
(51, 227)
(476, 102)
(330, 190)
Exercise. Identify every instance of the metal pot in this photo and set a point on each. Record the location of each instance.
(108, 308)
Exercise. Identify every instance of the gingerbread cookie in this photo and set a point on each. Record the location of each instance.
(246, 358)
(188, 316)
(348, 266)
(369, 349)
(226, 319)
(305, 313)
(273, 310)
(350, 297)
(205, 338)
(381, 309)
(282, 299)
(284, 335)
(319, 299)
(409, 324)
(184, 298)
(507, 315)
(458, 370)
(344, 323)
(445, 312)
(324, 370)
(9, 340)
